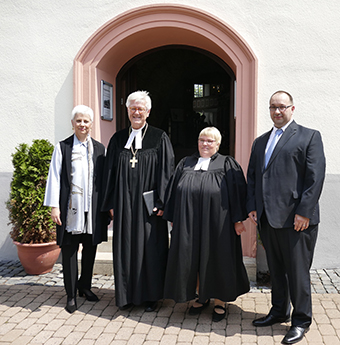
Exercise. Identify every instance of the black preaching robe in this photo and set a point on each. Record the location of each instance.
(203, 206)
(140, 241)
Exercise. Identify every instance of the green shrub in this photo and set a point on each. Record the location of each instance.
(31, 221)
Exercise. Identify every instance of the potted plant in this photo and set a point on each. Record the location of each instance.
(33, 231)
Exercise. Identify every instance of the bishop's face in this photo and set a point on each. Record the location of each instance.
(138, 114)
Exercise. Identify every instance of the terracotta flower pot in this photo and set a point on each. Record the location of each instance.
(38, 258)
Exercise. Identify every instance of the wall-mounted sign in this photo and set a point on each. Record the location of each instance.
(106, 101)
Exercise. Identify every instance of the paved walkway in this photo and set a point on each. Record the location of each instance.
(32, 312)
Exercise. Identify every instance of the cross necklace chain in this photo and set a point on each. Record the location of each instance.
(134, 160)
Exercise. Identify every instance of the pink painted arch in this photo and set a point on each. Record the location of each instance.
(148, 27)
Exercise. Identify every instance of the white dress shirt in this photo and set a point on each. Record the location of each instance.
(272, 134)
(53, 180)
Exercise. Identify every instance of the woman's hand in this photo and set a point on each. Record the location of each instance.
(253, 217)
(239, 228)
(55, 215)
(159, 213)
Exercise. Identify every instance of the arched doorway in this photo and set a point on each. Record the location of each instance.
(154, 26)
(190, 89)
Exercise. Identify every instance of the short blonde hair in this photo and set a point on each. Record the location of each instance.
(211, 132)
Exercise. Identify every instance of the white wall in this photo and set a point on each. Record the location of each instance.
(296, 43)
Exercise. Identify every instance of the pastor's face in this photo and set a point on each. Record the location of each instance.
(82, 125)
(207, 146)
(138, 114)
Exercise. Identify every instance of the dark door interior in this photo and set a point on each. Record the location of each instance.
(190, 89)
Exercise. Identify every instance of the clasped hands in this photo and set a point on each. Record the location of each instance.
(300, 223)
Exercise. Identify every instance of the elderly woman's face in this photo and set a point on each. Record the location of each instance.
(82, 125)
(137, 114)
(207, 146)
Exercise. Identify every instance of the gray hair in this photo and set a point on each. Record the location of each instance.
(82, 109)
(212, 132)
(139, 96)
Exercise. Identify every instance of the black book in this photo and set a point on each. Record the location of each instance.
(150, 199)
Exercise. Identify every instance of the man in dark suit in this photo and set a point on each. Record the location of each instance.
(283, 192)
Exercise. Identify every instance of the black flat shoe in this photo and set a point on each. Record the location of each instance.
(269, 320)
(150, 306)
(71, 305)
(89, 295)
(197, 310)
(217, 316)
(294, 335)
(126, 306)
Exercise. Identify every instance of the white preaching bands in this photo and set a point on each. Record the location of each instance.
(137, 135)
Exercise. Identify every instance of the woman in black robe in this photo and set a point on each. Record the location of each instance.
(206, 204)
(139, 159)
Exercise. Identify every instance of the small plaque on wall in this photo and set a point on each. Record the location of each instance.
(106, 101)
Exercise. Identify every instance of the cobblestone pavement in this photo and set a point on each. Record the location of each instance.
(32, 312)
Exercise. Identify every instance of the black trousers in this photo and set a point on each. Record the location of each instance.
(70, 263)
(289, 256)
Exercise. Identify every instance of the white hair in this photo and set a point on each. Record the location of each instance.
(82, 109)
(139, 96)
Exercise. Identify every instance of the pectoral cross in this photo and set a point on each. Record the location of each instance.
(133, 162)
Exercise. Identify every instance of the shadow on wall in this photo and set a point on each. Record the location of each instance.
(62, 110)
(7, 248)
(326, 253)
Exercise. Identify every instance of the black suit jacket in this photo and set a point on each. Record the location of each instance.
(99, 220)
(292, 182)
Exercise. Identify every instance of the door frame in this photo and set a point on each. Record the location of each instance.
(126, 84)
(151, 26)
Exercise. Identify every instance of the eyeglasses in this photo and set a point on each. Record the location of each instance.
(209, 141)
(282, 108)
(140, 110)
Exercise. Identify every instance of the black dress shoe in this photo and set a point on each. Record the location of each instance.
(269, 320)
(294, 335)
(126, 306)
(197, 310)
(217, 316)
(150, 306)
(71, 305)
(89, 295)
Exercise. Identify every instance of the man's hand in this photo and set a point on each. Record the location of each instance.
(300, 223)
(253, 217)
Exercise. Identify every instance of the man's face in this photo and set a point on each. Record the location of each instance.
(138, 114)
(281, 116)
